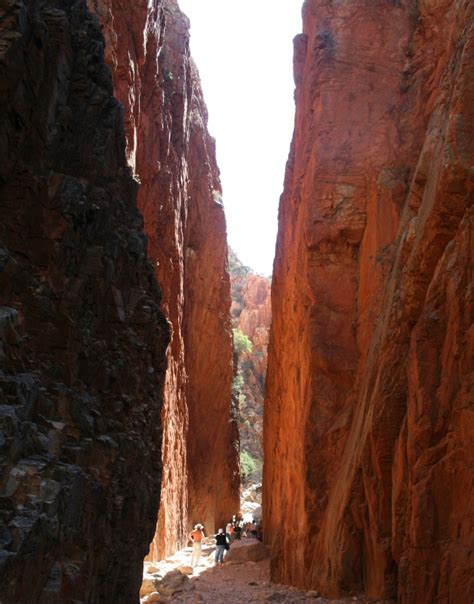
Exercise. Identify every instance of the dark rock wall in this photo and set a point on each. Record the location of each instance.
(369, 403)
(82, 355)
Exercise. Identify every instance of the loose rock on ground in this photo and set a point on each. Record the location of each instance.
(240, 580)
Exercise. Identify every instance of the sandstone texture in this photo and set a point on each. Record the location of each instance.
(369, 420)
(82, 349)
(173, 157)
(247, 550)
(251, 316)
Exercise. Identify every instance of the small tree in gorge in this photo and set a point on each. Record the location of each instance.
(242, 343)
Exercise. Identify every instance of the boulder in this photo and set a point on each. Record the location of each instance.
(185, 570)
(148, 587)
(249, 550)
(174, 582)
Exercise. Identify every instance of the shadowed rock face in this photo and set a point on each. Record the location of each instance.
(368, 412)
(82, 354)
(172, 154)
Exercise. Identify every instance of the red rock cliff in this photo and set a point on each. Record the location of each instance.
(82, 348)
(369, 401)
(173, 156)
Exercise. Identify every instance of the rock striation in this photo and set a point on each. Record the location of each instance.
(369, 401)
(82, 350)
(173, 157)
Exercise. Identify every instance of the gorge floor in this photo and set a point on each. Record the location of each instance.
(233, 583)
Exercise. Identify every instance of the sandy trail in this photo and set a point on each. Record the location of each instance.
(233, 583)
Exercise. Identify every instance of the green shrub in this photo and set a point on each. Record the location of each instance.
(241, 342)
(248, 464)
(237, 383)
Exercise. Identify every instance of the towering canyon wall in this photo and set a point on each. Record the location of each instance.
(369, 403)
(172, 155)
(82, 349)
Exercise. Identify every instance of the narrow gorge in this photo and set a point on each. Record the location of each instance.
(135, 399)
(173, 157)
(251, 317)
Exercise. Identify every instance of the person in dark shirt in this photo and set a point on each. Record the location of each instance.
(238, 531)
(221, 545)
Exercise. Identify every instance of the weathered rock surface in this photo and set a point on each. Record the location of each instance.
(174, 582)
(82, 353)
(369, 405)
(251, 316)
(171, 153)
(149, 586)
(153, 597)
(251, 501)
(247, 550)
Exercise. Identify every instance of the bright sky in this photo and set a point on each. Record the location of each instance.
(244, 53)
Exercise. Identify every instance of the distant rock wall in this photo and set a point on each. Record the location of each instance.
(173, 156)
(369, 403)
(82, 349)
(251, 314)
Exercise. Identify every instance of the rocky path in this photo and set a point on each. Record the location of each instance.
(241, 580)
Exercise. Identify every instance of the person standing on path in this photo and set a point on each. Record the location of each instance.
(196, 536)
(221, 546)
(237, 531)
(229, 531)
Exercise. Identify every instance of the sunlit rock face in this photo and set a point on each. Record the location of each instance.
(82, 349)
(170, 151)
(368, 412)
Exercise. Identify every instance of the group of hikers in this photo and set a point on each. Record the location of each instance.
(236, 529)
